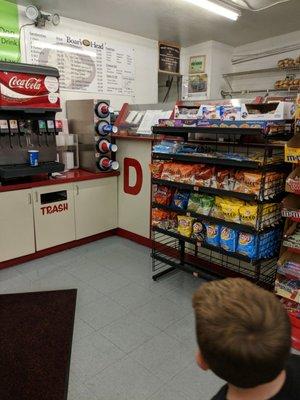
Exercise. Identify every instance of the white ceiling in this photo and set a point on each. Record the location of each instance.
(177, 20)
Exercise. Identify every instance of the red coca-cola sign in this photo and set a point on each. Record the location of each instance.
(31, 83)
(28, 90)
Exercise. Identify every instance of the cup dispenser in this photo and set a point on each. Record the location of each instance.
(91, 121)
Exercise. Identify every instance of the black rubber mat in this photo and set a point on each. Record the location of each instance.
(36, 331)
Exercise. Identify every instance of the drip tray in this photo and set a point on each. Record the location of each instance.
(24, 170)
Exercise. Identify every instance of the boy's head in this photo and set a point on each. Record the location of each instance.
(243, 332)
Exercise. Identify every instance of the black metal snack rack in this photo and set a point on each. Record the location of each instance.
(261, 155)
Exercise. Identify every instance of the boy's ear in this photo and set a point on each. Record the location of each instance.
(200, 361)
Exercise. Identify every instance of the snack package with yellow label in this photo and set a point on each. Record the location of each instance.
(185, 225)
(248, 214)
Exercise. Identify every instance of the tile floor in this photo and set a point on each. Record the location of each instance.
(133, 338)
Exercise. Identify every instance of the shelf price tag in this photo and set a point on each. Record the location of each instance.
(196, 188)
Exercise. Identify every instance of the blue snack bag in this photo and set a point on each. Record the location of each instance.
(228, 238)
(212, 234)
(180, 200)
(247, 245)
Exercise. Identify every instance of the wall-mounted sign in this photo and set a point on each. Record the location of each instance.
(197, 64)
(169, 58)
(9, 32)
(85, 65)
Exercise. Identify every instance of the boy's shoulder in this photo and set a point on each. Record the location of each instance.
(221, 395)
(290, 390)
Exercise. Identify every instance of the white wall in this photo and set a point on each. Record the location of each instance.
(146, 61)
(267, 80)
(218, 62)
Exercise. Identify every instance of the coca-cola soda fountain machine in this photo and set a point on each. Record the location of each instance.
(29, 100)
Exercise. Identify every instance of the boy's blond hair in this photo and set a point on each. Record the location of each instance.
(243, 332)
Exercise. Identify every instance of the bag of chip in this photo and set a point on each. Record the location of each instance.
(180, 200)
(156, 169)
(162, 195)
(168, 171)
(194, 202)
(212, 234)
(231, 212)
(187, 172)
(248, 214)
(228, 239)
(198, 231)
(247, 245)
(206, 204)
(185, 225)
(203, 175)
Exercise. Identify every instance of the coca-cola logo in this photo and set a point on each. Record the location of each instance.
(30, 84)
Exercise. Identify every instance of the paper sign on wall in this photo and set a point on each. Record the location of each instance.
(9, 32)
(84, 64)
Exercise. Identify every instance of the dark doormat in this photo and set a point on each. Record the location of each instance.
(36, 331)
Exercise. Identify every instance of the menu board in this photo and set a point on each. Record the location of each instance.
(84, 64)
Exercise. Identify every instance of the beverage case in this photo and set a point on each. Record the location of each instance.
(24, 90)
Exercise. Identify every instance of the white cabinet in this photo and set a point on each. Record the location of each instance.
(95, 206)
(54, 215)
(16, 224)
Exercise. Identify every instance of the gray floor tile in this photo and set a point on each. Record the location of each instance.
(125, 380)
(78, 391)
(132, 296)
(15, 284)
(129, 332)
(81, 329)
(57, 281)
(93, 354)
(167, 392)
(107, 283)
(101, 313)
(196, 384)
(163, 356)
(39, 269)
(86, 269)
(161, 312)
(86, 295)
(184, 330)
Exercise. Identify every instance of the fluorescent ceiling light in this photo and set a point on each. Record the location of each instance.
(216, 8)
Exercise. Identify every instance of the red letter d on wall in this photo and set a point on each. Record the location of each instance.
(136, 188)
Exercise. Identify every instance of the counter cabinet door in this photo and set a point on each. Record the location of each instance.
(95, 206)
(54, 215)
(16, 224)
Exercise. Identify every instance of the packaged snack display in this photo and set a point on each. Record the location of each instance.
(162, 195)
(198, 231)
(203, 175)
(228, 239)
(248, 182)
(231, 211)
(156, 169)
(194, 202)
(248, 214)
(247, 245)
(223, 179)
(164, 219)
(212, 234)
(200, 203)
(187, 172)
(180, 200)
(169, 172)
(185, 225)
(166, 147)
